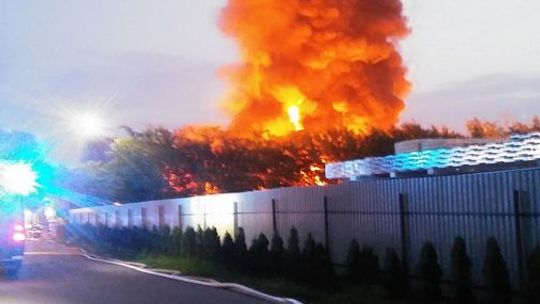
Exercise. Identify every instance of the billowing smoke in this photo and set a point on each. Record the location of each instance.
(315, 64)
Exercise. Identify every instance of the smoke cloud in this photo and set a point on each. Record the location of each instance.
(315, 64)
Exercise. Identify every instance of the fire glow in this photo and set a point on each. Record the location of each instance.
(315, 64)
(314, 76)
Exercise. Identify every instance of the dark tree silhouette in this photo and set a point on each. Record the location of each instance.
(496, 275)
(461, 272)
(430, 273)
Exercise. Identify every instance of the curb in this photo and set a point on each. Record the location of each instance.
(177, 276)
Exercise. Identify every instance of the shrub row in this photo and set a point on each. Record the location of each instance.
(310, 265)
(362, 267)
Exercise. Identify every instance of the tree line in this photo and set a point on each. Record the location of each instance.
(158, 163)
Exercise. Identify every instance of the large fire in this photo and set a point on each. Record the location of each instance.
(314, 65)
(318, 81)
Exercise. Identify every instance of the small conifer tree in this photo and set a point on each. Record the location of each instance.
(176, 241)
(461, 274)
(210, 243)
(293, 260)
(353, 270)
(532, 288)
(369, 266)
(430, 273)
(325, 276)
(277, 253)
(309, 263)
(240, 249)
(496, 274)
(227, 249)
(395, 279)
(259, 255)
(189, 245)
(199, 242)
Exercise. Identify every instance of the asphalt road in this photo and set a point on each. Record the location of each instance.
(54, 275)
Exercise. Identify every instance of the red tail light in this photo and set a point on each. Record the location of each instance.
(18, 233)
(18, 228)
(19, 237)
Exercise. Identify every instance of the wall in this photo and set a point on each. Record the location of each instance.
(402, 213)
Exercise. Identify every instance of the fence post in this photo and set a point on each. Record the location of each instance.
(117, 217)
(180, 217)
(404, 231)
(274, 216)
(519, 236)
(130, 218)
(326, 235)
(235, 219)
(161, 216)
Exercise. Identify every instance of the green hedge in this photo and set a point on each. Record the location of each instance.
(311, 264)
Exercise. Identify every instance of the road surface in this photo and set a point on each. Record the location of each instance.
(52, 274)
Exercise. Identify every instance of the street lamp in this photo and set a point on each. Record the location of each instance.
(87, 124)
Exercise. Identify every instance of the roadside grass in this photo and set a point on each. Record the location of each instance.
(276, 286)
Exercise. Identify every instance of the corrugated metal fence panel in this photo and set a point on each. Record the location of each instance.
(301, 208)
(219, 213)
(474, 206)
(255, 213)
(366, 211)
(529, 182)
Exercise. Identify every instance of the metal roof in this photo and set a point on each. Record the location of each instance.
(520, 148)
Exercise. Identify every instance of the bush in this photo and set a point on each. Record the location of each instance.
(240, 249)
(308, 259)
(353, 269)
(395, 280)
(146, 239)
(326, 275)
(164, 239)
(495, 274)
(199, 246)
(211, 243)
(369, 265)
(227, 249)
(137, 240)
(277, 253)
(461, 272)
(430, 273)
(153, 239)
(318, 270)
(176, 241)
(259, 256)
(532, 288)
(293, 260)
(189, 247)
(362, 266)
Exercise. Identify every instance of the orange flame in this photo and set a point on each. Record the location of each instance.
(315, 64)
(294, 117)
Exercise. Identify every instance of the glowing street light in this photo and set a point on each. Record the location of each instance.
(87, 124)
(18, 178)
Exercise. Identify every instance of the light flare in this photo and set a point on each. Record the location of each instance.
(18, 178)
(87, 124)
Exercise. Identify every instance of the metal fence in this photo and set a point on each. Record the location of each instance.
(402, 213)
